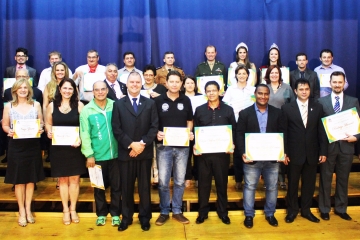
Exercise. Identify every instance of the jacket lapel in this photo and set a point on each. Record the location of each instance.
(296, 111)
(141, 105)
(129, 106)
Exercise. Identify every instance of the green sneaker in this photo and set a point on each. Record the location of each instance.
(115, 221)
(100, 221)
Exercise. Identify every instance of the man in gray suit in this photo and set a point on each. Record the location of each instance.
(303, 72)
(340, 153)
(21, 57)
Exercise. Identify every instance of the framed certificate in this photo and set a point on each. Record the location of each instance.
(264, 146)
(176, 136)
(26, 128)
(90, 79)
(232, 80)
(214, 139)
(197, 101)
(9, 82)
(285, 74)
(201, 81)
(96, 177)
(65, 136)
(337, 125)
(324, 80)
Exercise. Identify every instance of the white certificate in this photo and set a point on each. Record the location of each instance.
(90, 79)
(65, 136)
(232, 80)
(197, 101)
(214, 139)
(324, 80)
(176, 136)
(264, 146)
(96, 177)
(26, 128)
(201, 81)
(9, 82)
(123, 77)
(285, 75)
(146, 93)
(340, 124)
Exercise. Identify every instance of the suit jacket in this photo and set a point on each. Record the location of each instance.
(129, 126)
(304, 144)
(10, 73)
(111, 94)
(348, 103)
(248, 123)
(38, 96)
(311, 76)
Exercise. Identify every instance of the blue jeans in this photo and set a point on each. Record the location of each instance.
(168, 159)
(252, 172)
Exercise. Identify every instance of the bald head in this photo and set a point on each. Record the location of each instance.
(22, 73)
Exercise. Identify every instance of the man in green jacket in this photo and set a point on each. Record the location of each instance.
(101, 148)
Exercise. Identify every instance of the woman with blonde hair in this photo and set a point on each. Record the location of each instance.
(24, 155)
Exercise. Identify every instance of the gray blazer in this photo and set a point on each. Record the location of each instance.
(10, 73)
(312, 77)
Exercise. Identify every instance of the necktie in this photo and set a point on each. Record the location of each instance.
(135, 106)
(302, 74)
(20, 67)
(112, 86)
(337, 104)
(304, 114)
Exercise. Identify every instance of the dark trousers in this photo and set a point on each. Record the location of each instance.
(217, 165)
(192, 170)
(343, 164)
(111, 176)
(238, 167)
(129, 171)
(308, 178)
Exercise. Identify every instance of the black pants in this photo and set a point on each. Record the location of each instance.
(129, 171)
(191, 170)
(217, 165)
(238, 166)
(111, 176)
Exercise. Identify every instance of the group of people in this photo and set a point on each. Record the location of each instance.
(122, 115)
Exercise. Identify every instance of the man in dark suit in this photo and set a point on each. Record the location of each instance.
(21, 57)
(305, 147)
(303, 72)
(116, 88)
(259, 118)
(340, 153)
(135, 125)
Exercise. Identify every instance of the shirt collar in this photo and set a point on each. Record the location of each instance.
(218, 107)
(22, 66)
(257, 109)
(110, 83)
(341, 95)
(331, 66)
(301, 103)
(131, 97)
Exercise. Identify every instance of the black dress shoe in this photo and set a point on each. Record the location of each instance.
(272, 221)
(344, 216)
(248, 222)
(145, 226)
(311, 217)
(225, 219)
(324, 216)
(201, 219)
(4, 160)
(123, 226)
(290, 217)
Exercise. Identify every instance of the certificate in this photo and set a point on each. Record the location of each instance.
(232, 80)
(176, 136)
(146, 93)
(123, 77)
(96, 177)
(197, 101)
(324, 80)
(90, 79)
(337, 125)
(9, 82)
(26, 128)
(201, 81)
(285, 74)
(264, 146)
(214, 139)
(65, 136)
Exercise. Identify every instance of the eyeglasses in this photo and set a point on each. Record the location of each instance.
(21, 56)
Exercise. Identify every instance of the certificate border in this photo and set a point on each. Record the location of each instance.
(228, 129)
(15, 136)
(53, 140)
(250, 157)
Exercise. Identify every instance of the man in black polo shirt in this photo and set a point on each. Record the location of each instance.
(213, 113)
(174, 110)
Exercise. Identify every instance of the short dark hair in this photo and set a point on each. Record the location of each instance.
(193, 79)
(173, 72)
(212, 83)
(55, 53)
(128, 53)
(337, 73)
(301, 54)
(302, 81)
(168, 52)
(150, 67)
(93, 51)
(262, 85)
(326, 51)
(21, 49)
(74, 100)
(268, 71)
(210, 46)
(238, 68)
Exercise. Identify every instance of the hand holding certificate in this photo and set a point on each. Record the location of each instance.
(264, 146)
(65, 136)
(96, 177)
(176, 136)
(27, 128)
(214, 139)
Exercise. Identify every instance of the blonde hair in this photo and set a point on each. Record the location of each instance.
(16, 87)
(53, 84)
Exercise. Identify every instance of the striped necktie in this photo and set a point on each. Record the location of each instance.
(337, 104)
(304, 114)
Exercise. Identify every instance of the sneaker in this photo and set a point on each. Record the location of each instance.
(180, 218)
(100, 221)
(162, 219)
(115, 221)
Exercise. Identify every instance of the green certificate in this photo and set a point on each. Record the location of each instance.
(214, 139)
(340, 124)
(264, 146)
(201, 81)
(176, 136)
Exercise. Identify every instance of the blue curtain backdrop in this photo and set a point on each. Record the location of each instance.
(151, 27)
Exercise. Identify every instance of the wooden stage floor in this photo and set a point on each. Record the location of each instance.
(49, 226)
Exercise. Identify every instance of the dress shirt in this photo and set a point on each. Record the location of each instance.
(117, 88)
(324, 91)
(18, 66)
(131, 98)
(124, 73)
(341, 99)
(45, 78)
(88, 96)
(301, 108)
(262, 118)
